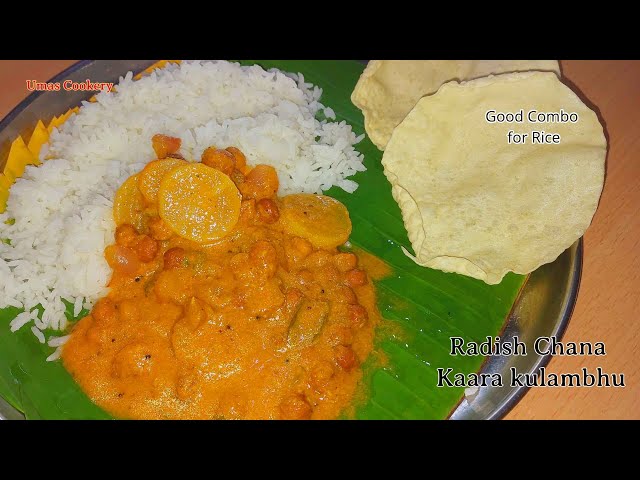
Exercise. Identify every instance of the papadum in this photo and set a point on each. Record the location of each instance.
(474, 204)
(388, 89)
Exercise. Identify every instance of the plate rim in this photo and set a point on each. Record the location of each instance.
(561, 327)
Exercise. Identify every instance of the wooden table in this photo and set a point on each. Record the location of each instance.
(609, 300)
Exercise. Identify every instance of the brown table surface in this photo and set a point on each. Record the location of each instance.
(609, 298)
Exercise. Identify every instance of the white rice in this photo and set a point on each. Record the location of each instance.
(329, 113)
(21, 320)
(39, 335)
(55, 355)
(77, 306)
(57, 341)
(63, 209)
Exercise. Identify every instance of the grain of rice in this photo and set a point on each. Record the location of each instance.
(39, 323)
(20, 321)
(58, 341)
(55, 355)
(39, 335)
(77, 307)
(10, 302)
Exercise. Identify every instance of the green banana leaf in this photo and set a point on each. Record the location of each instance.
(427, 306)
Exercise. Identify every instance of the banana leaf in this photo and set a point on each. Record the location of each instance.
(423, 308)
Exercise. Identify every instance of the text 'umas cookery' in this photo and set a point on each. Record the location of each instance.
(69, 85)
(535, 137)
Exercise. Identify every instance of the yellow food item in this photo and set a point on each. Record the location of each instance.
(19, 157)
(4, 196)
(52, 124)
(388, 89)
(322, 220)
(128, 204)
(5, 182)
(150, 177)
(473, 203)
(38, 138)
(199, 203)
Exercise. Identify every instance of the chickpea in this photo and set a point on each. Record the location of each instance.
(261, 182)
(320, 375)
(174, 258)
(146, 248)
(241, 266)
(264, 255)
(173, 286)
(267, 211)
(340, 335)
(358, 315)
(295, 407)
(133, 360)
(186, 386)
(164, 145)
(318, 259)
(218, 159)
(126, 235)
(262, 301)
(305, 277)
(159, 230)
(237, 177)
(345, 357)
(128, 311)
(345, 294)
(356, 278)
(247, 210)
(122, 259)
(233, 405)
(98, 334)
(238, 156)
(302, 246)
(104, 311)
(239, 260)
(328, 275)
(345, 261)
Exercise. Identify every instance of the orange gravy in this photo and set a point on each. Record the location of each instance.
(260, 325)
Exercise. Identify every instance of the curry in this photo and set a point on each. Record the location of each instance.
(226, 302)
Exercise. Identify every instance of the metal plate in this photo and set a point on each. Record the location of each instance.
(543, 308)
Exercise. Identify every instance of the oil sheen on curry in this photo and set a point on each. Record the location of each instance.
(225, 302)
